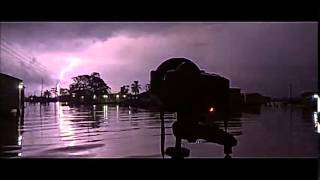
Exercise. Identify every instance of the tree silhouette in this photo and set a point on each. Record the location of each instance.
(89, 84)
(64, 91)
(147, 87)
(135, 87)
(124, 89)
(46, 94)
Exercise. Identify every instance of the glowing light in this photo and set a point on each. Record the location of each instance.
(117, 96)
(66, 130)
(82, 97)
(316, 96)
(19, 140)
(94, 111)
(315, 117)
(211, 109)
(105, 96)
(316, 122)
(124, 96)
(105, 111)
(20, 86)
(19, 154)
(117, 111)
(94, 97)
(74, 95)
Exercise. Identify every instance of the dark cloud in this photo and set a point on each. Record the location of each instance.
(262, 57)
(70, 36)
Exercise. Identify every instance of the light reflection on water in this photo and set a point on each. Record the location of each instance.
(316, 122)
(60, 130)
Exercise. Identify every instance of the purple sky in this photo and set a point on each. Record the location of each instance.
(257, 57)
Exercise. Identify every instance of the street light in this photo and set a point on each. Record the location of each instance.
(117, 96)
(105, 96)
(20, 86)
(211, 109)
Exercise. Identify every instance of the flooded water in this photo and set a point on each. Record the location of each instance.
(105, 131)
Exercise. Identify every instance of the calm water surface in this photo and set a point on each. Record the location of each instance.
(105, 131)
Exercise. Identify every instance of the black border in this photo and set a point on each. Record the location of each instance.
(299, 168)
(279, 168)
(158, 11)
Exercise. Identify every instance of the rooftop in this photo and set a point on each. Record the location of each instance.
(10, 77)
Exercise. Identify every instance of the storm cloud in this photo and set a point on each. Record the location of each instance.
(257, 57)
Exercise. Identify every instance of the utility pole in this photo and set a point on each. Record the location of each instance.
(41, 86)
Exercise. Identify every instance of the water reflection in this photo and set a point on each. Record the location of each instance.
(316, 122)
(62, 130)
(11, 137)
(253, 109)
(117, 111)
(105, 112)
(66, 131)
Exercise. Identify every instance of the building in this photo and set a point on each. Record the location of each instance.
(88, 97)
(235, 102)
(235, 97)
(254, 99)
(309, 99)
(11, 95)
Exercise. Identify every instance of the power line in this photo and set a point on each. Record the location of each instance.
(17, 52)
(39, 69)
(13, 46)
(22, 57)
(32, 60)
(9, 50)
(22, 60)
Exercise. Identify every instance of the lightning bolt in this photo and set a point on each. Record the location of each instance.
(72, 63)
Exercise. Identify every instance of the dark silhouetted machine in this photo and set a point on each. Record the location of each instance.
(197, 97)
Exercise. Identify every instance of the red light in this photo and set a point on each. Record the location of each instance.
(211, 109)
